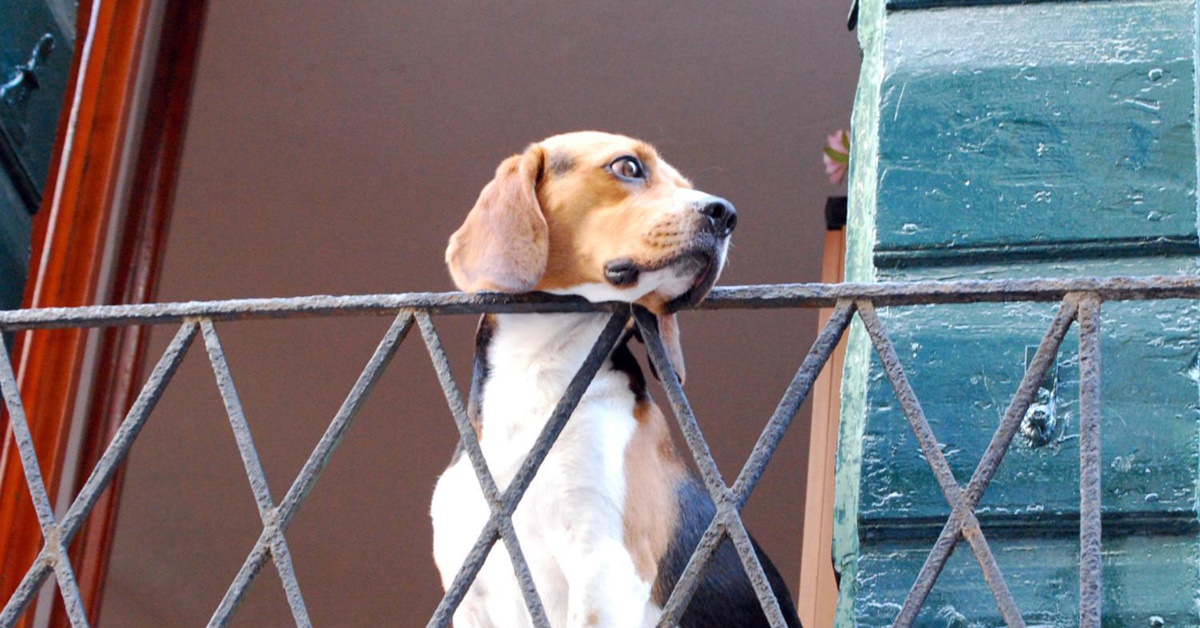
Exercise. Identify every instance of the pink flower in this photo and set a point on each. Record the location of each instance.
(837, 156)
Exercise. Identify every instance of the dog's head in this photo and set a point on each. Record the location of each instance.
(599, 216)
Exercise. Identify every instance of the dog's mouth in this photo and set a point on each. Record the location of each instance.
(706, 275)
(692, 274)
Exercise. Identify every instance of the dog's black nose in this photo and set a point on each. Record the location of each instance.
(722, 217)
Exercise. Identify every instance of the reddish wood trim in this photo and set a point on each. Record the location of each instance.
(140, 251)
(73, 233)
(68, 250)
(816, 598)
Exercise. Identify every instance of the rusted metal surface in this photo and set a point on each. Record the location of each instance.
(1090, 577)
(774, 296)
(254, 470)
(911, 407)
(1080, 300)
(797, 391)
(727, 519)
(58, 535)
(270, 541)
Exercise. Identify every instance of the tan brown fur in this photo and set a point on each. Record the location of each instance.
(652, 471)
(593, 218)
(502, 244)
(554, 215)
(568, 216)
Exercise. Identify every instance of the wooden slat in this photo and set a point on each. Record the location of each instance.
(68, 240)
(138, 264)
(68, 249)
(816, 597)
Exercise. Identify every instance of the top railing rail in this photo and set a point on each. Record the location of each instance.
(1079, 301)
(772, 296)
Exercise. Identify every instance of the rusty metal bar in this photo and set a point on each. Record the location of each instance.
(237, 418)
(785, 412)
(345, 416)
(689, 580)
(958, 291)
(1042, 360)
(797, 391)
(512, 495)
(42, 566)
(25, 448)
(254, 470)
(68, 587)
(989, 463)
(1081, 298)
(100, 476)
(911, 407)
(54, 548)
(130, 427)
(1090, 560)
(491, 494)
(282, 515)
(722, 496)
(733, 297)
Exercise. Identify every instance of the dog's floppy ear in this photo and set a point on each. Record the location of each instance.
(504, 243)
(668, 331)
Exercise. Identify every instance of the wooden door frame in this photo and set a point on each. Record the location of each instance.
(817, 595)
(108, 201)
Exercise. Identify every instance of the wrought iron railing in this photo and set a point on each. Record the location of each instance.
(1080, 301)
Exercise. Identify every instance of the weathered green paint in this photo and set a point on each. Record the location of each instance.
(965, 362)
(35, 60)
(31, 97)
(16, 225)
(860, 267)
(909, 5)
(1018, 141)
(1044, 579)
(1022, 126)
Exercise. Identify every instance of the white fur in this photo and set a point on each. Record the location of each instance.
(570, 523)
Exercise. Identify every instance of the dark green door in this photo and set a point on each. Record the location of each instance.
(1025, 140)
(36, 40)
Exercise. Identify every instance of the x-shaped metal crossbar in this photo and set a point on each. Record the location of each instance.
(58, 535)
(1082, 306)
(726, 524)
(962, 522)
(271, 543)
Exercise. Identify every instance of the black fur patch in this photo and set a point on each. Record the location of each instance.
(623, 361)
(482, 370)
(725, 598)
(479, 376)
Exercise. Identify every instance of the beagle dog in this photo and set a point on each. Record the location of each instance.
(613, 515)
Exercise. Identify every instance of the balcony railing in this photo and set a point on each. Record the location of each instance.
(1080, 301)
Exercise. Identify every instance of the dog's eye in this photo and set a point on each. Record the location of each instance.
(628, 167)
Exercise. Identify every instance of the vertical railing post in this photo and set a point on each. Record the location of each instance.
(1090, 564)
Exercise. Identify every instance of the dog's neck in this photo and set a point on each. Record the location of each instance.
(550, 346)
(524, 363)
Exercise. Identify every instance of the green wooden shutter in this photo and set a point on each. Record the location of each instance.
(1024, 140)
(35, 60)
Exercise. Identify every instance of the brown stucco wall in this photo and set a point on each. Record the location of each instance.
(333, 148)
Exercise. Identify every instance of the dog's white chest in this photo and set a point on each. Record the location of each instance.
(570, 522)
